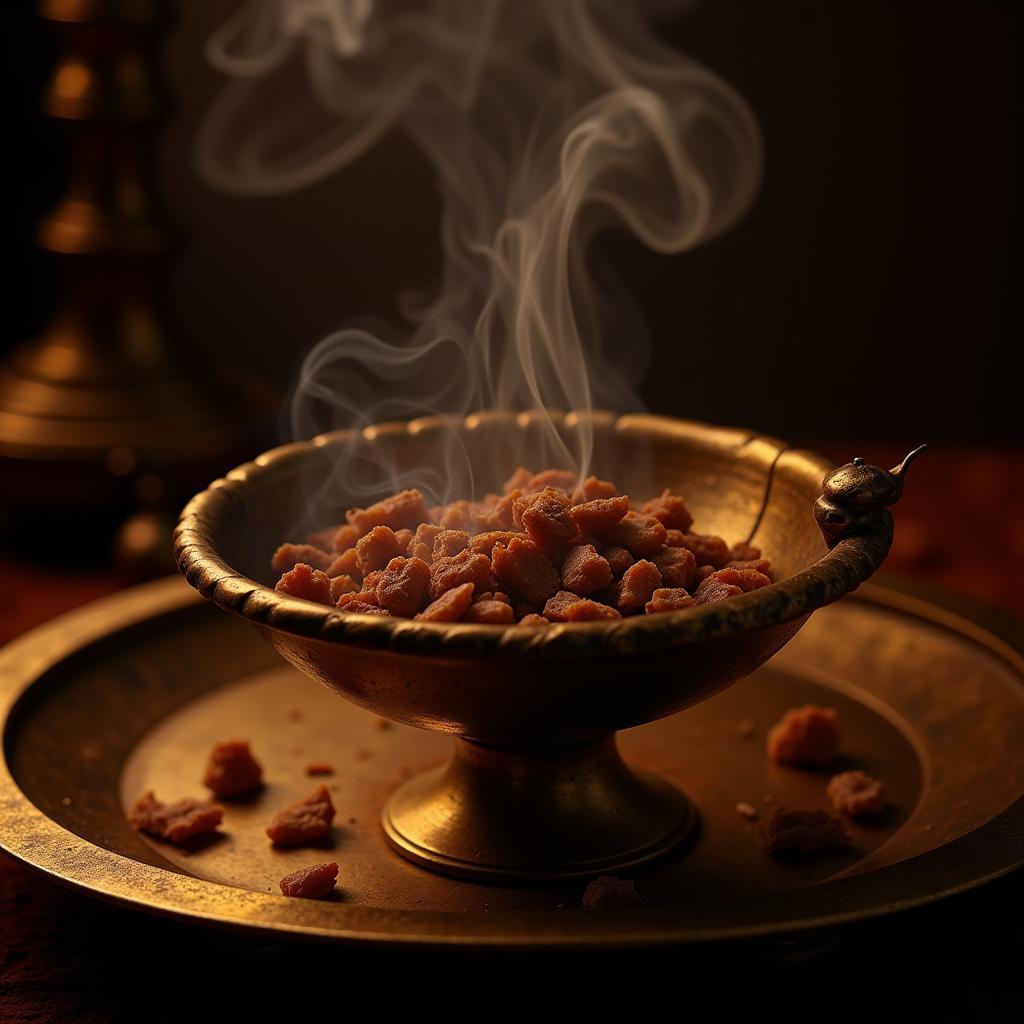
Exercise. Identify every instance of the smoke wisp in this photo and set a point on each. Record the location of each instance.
(544, 121)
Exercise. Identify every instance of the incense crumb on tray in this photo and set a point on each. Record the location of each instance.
(746, 728)
(232, 770)
(792, 832)
(855, 794)
(293, 714)
(177, 822)
(382, 724)
(311, 883)
(305, 821)
(745, 810)
(91, 754)
(319, 768)
(807, 735)
(501, 560)
(607, 892)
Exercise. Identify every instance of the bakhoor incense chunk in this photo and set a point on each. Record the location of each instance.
(547, 550)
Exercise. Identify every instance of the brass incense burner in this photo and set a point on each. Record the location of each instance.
(535, 789)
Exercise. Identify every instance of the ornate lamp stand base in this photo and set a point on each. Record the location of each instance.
(527, 815)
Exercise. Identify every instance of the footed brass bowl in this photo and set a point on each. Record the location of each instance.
(535, 788)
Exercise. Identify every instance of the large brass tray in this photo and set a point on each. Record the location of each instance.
(130, 692)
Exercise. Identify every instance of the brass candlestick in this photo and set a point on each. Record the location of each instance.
(105, 414)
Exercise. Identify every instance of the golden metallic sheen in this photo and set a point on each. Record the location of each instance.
(131, 692)
(536, 789)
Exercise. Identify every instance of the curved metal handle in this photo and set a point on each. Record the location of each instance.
(856, 493)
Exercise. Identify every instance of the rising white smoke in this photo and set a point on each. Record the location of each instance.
(544, 121)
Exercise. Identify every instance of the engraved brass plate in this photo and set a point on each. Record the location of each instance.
(130, 693)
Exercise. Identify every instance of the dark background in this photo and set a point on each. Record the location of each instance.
(866, 295)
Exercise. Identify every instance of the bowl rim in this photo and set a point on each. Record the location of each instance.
(841, 569)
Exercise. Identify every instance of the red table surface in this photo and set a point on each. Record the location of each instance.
(68, 957)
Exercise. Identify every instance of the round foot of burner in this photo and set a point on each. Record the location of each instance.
(527, 815)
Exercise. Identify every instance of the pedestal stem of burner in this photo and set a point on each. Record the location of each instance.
(529, 814)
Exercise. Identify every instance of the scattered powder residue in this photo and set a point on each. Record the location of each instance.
(745, 810)
(607, 892)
